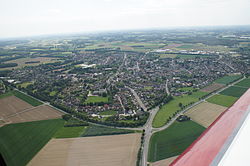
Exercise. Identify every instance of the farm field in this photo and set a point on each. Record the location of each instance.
(70, 132)
(165, 162)
(205, 113)
(173, 140)
(222, 100)
(94, 130)
(228, 79)
(170, 108)
(11, 105)
(168, 55)
(212, 87)
(22, 62)
(20, 142)
(112, 150)
(27, 98)
(244, 83)
(234, 91)
(42, 112)
(96, 99)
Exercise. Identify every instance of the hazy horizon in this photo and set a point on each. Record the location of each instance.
(44, 17)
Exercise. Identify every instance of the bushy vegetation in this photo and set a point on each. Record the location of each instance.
(173, 140)
(20, 142)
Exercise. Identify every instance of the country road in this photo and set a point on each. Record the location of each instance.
(149, 130)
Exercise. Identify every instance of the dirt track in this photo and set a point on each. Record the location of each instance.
(115, 150)
(205, 113)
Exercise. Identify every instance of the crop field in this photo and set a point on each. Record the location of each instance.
(244, 83)
(228, 79)
(70, 132)
(96, 99)
(95, 151)
(165, 162)
(27, 98)
(42, 112)
(205, 113)
(168, 55)
(170, 108)
(234, 91)
(212, 87)
(94, 130)
(20, 142)
(186, 46)
(222, 100)
(11, 105)
(23, 62)
(173, 140)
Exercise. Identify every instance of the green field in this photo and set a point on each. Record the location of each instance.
(25, 84)
(234, 91)
(94, 130)
(185, 46)
(109, 112)
(170, 108)
(23, 97)
(20, 142)
(96, 99)
(244, 83)
(70, 132)
(190, 56)
(6, 95)
(173, 140)
(26, 98)
(228, 79)
(53, 93)
(222, 100)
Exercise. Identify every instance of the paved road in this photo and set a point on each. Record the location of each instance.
(137, 98)
(149, 130)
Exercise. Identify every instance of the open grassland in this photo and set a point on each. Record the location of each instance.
(42, 112)
(228, 79)
(167, 110)
(190, 56)
(22, 62)
(20, 142)
(205, 113)
(96, 99)
(244, 83)
(118, 150)
(212, 87)
(165, 162)
(234, 91)
(25, 84)
(109, 112)
(70, 132)
(28, 99)
(173, 140)
(94, 130)
(222, 100)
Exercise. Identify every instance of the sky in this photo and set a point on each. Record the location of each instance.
(20, 18)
